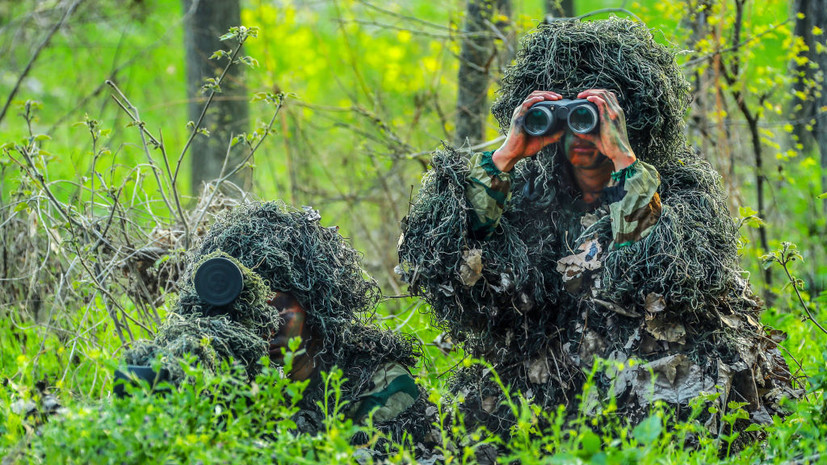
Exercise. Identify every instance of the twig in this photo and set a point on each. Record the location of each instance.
(352, 56)
(221, 179)
(419, 33)
(241, 40)
(801, 299)
(783, 257)
(32, 171)
(604, 10)
(405, 17)
(735, 47)
(37, 51)
(163, 39)
(412, 312)
(132, 111)
(127, 107)
(175, 195)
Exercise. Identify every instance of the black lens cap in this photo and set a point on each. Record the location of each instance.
(218, 281)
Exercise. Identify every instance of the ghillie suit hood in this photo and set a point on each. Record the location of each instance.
(292, 252)
(209, 333)
(279, 248)
(570, 56)
(677, 293)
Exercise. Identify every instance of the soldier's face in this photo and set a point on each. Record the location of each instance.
(581, 152)
(293, 316)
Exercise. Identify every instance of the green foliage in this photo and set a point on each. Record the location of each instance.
(211, 419)
(215, 417)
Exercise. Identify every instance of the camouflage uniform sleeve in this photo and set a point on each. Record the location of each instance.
(394, 391)
(634, 203)
(488, 190)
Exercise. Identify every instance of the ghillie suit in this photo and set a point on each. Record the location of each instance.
(280, 249)
(212, 334)
(549, 291)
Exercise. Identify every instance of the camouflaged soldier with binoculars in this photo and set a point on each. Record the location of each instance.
(555, 250)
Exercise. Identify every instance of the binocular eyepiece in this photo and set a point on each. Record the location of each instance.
(218, 281)
(548, 116)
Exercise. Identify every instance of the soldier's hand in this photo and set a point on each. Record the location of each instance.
(611, 139)
(518, 144)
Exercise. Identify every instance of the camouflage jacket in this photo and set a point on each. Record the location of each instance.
(394, 391)
(634, 204)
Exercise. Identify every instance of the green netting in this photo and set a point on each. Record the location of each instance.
(676, 299)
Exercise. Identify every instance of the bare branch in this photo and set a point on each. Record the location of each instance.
(36, 54)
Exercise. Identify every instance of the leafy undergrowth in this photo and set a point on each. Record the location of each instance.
(217, 419)
(56, 407)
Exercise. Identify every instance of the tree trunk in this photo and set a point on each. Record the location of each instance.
(228, 113)
(803, 109)
(560, 8)
(506, 33)
(810, 14)
(476, 56)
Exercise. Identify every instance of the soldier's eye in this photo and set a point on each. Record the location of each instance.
(281, 300)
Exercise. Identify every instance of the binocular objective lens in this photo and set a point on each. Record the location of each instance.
(537, 121)
(583, 119)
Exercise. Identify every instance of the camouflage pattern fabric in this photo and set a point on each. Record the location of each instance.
(637, 211)
(394, 392)
(488, 190)
(632, 195)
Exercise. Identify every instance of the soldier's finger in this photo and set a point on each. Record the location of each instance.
(547, 94)
(609, 96)
(531, 100)
(603, 107)
(613, 101)
(588, 93)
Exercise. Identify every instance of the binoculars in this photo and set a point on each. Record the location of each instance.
(548, 116)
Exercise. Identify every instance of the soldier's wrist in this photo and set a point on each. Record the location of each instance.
(623, 160)
(503, 160)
